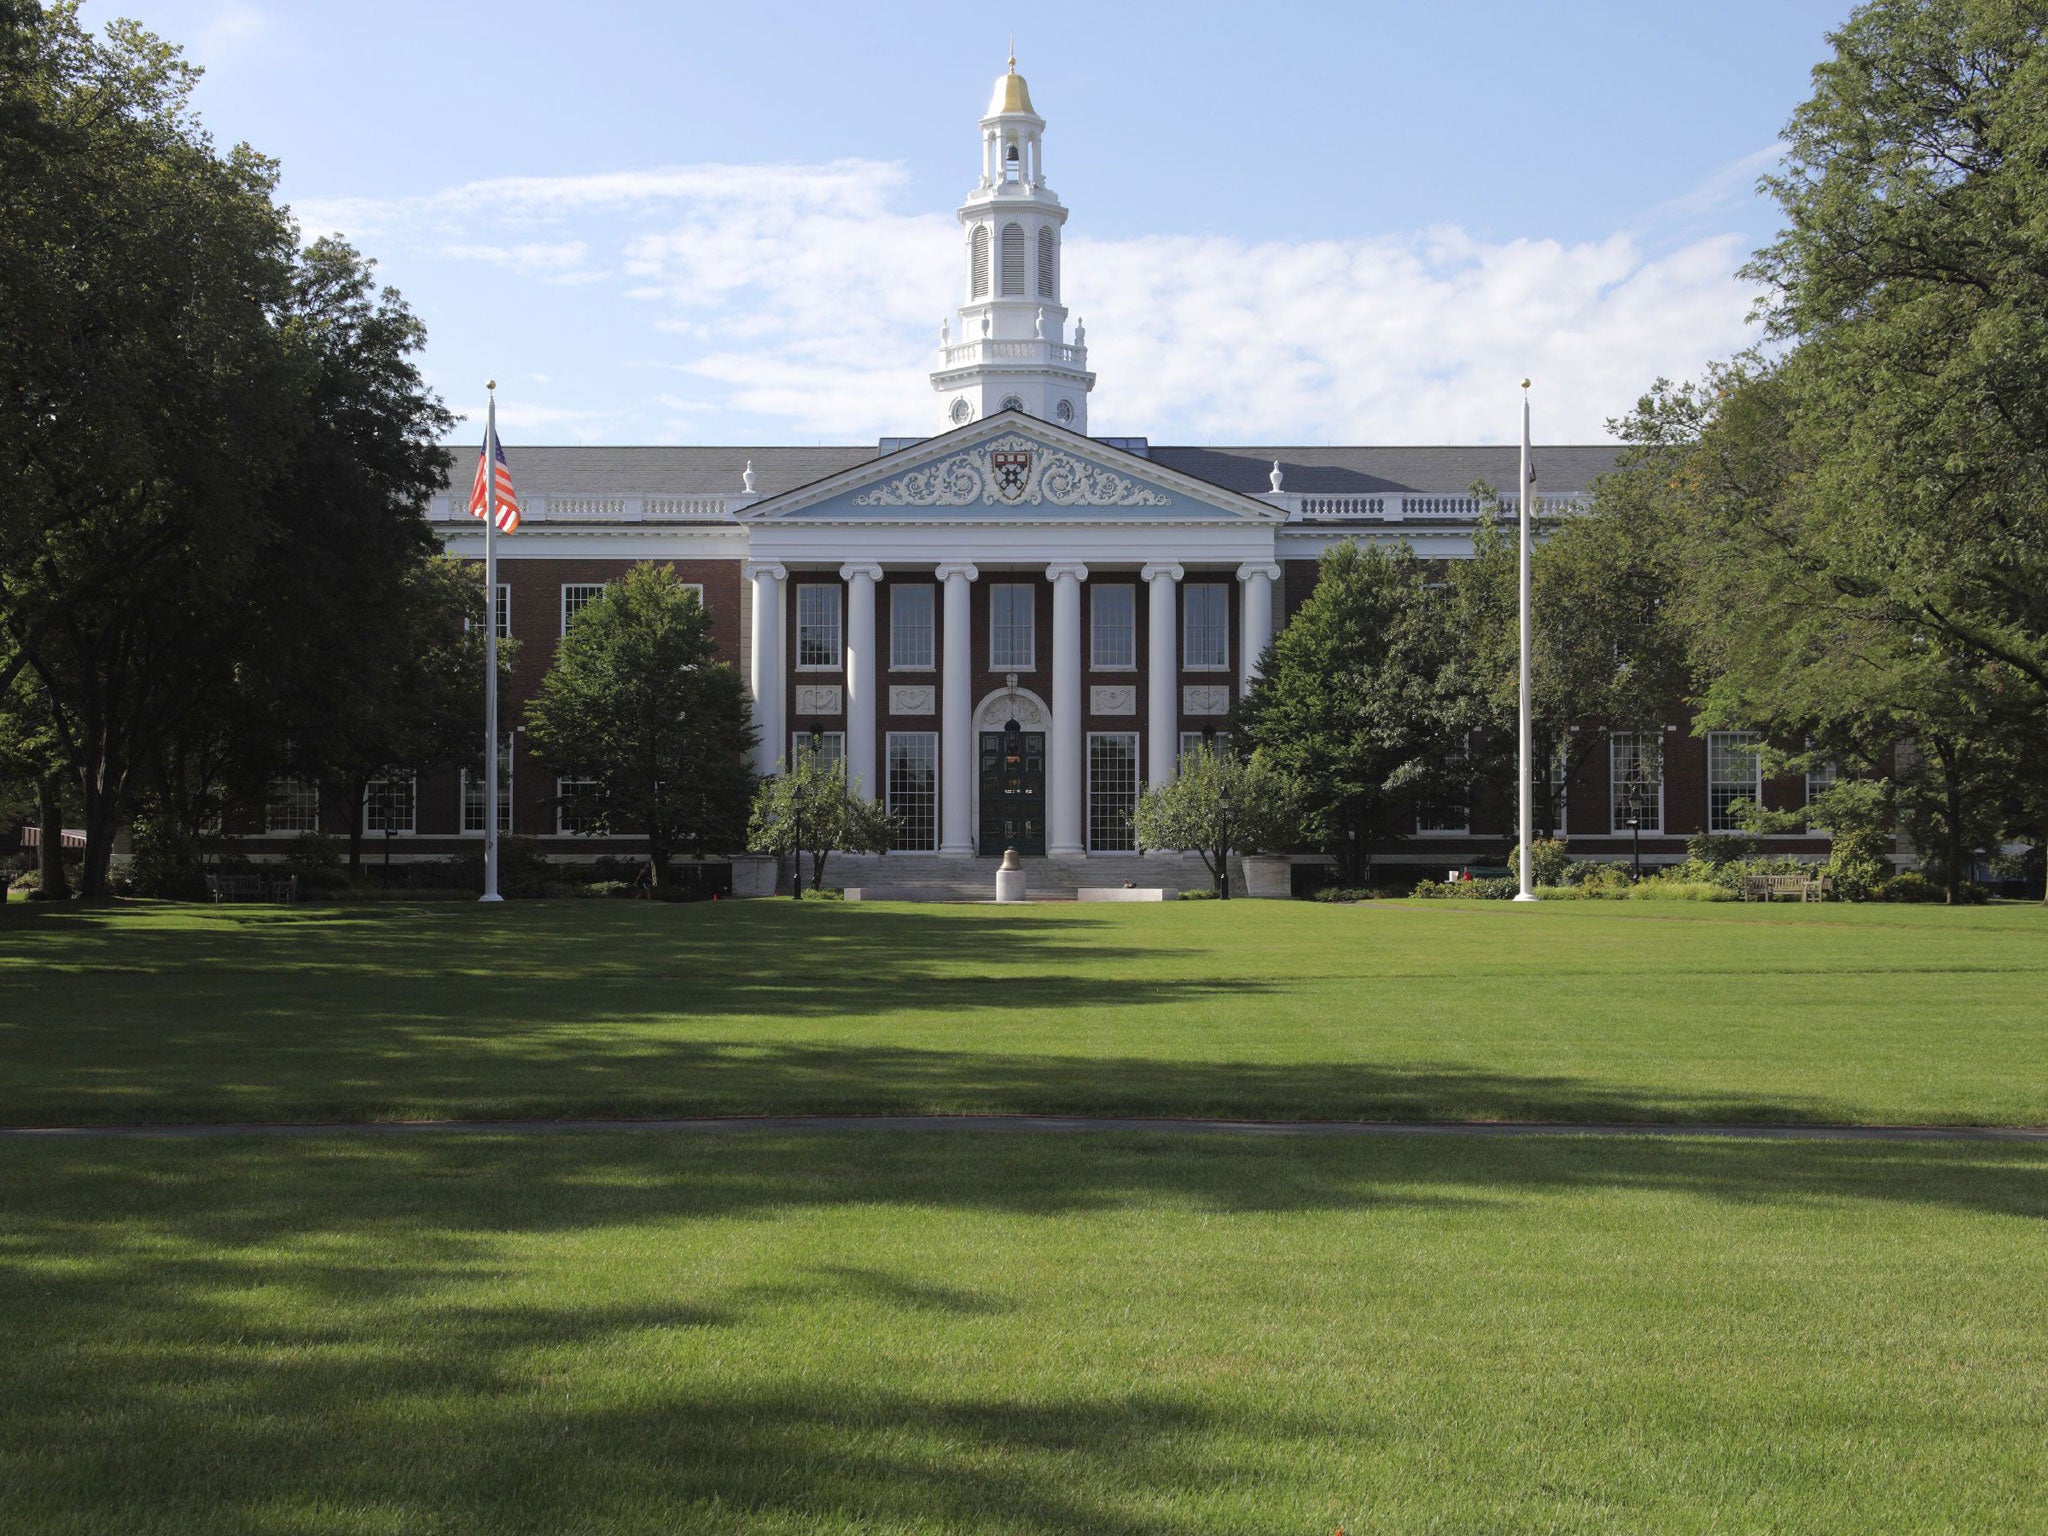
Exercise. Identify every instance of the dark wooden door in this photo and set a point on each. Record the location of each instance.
(1013, 793)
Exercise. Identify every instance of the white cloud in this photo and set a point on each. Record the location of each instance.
(804, 296)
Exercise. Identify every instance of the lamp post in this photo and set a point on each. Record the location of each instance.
(1226, 839)
(1635, 824)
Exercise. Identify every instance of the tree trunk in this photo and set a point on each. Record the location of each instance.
(358, 796)
(1955, 837)
(102, 817)
(53, 886)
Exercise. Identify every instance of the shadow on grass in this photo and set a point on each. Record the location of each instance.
(613, 1009)
(261, 1337)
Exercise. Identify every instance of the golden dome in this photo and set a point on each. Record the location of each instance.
(1011, 94)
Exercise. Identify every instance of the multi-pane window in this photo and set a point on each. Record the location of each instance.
(1216, 741)
(1011, 641)
(1560, 788)
(1821, 778)
(911, 646)
(1205, 627)
(1112, 791)
(390, 804)
(294, 806)
(818, 646)
(473, 793)
(1735, 773)
(1450, 810)
(831, 746)
(573, 815)
(577, 596)
(504, 614)
(1113, 627)
(913, 789)
(1635, 766)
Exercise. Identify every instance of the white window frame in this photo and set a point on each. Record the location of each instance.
(929, 741)
(998, 659)
(562, 827)
(1561, 788)
(303, 798)
(412, 821)
(837, 631)
(1460, 829)
(1617, 742)
(505, 761)
(1819, 781)
(1221, 630)
(1130, 739)
(1189, 740)
(696, 590)
(580, 594)
(930, 626)
(831, 746)
(1097, 591)
(1738, 743)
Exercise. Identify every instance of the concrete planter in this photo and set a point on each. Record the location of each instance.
(1268, 876)
(754, 874)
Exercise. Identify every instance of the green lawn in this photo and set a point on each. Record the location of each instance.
(1580, 1011)
(905, 1333)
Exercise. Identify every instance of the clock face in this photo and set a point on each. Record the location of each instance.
(961, 410)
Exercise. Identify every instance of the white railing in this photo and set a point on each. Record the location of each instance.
(1409, 506)
(666, 508)
(595, 509)
(964, 353)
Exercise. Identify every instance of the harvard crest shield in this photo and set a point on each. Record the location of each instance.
(1012, 469)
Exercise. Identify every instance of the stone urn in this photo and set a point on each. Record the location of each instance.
(1010, 878)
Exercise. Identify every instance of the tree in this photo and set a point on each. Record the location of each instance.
(1361, 701)
(1606, 643)
(1220, 804)
(640, 711)
(809, 807)
(218, 445)
(1912, 283)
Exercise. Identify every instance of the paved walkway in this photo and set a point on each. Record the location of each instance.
(1039, 1124)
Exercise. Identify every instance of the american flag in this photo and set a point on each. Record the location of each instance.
(508, 502)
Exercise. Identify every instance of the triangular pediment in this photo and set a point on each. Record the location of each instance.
(1009, 468)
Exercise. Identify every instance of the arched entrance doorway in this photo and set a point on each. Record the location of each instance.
(1009, 734)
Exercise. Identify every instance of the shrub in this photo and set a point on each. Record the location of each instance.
(1468, 890)
(603, 889)
(1857, 863)
(1549, 858)
(1347, 893)
(1908, 886)
(316, 859)
(1681, 890)
(1200, 893)
(1715, 850)
(166, 860)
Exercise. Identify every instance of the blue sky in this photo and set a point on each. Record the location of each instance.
(1292, 223)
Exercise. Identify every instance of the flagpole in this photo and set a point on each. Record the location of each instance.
(1524, 782)
(491, 648)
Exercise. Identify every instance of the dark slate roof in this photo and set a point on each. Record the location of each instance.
(597, 471)
(1561, 470)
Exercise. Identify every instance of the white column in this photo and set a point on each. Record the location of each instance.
(1258, 578)
(862, 641)
(1063, 815)
(956, 722)
(1162, 715)
(767, 669)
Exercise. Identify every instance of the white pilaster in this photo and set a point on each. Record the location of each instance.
(1063, 813)
(1162, 678)
(1258, 578)
(956, 726)
(766, 672)
(861, 645)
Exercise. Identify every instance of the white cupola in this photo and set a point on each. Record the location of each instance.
(1012, 352)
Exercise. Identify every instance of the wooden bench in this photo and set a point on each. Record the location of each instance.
(252, 887)
(1771, 887)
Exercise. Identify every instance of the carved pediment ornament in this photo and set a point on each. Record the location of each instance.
(1012, 471)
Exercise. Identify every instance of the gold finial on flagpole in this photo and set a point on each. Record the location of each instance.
(492, 385)
(1013, 53)
(1525, 383)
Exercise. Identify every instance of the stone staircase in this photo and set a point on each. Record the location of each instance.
(927, 877)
